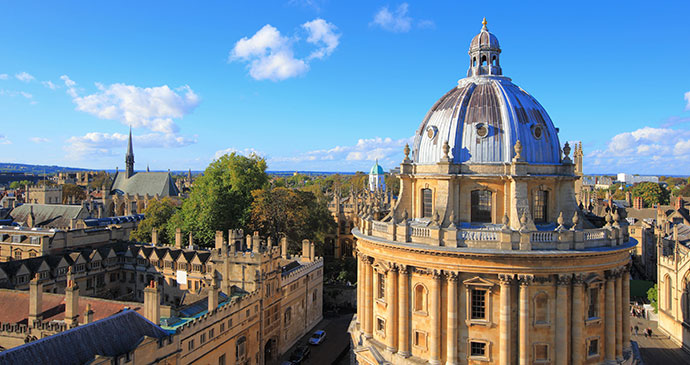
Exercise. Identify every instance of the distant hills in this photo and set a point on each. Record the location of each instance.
(36, 169)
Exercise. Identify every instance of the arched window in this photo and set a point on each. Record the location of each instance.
(474, 61)
(483, 60)
(668, 293)
(427, 203)
(540, 206)
(420, 294)
(493, 60)
(241, 348)
(541, 308)
(481, 206)
(288, 315)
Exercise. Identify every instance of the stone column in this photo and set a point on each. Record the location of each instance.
(505, 340)
(610, 320)
(391, 298)
(452, 320)
(360, 290)
(435, 319)
(626, 310)
(523, 335)
(561, 352)
(404, 311)
(578, 320)
(368, 302)
(619, 318)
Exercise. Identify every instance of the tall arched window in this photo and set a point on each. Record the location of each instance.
(483, 60)
(241, 348)
(668, 294)
(540, 206)
(541, 308)
(427, 203)
(420, 293)
(481, 206)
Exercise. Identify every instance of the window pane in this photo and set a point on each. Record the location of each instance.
(477, 349)
(481, 206)
(539, 206)
(478, 304)
(427, 203)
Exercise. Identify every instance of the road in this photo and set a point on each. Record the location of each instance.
(658, 349)
(337, 341)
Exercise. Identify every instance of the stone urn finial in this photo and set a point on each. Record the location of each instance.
(576, 219)
(446, 150)
(406, 150)
(506, 220)
(566, 152)
(518, 151)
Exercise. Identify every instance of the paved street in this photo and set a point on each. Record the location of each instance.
(658, 349)
(337, 341)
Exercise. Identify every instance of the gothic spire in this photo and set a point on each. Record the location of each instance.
(129, 157)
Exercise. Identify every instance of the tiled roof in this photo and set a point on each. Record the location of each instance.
(53, 306)
(113, 336)
(49, 215)
(143, 183)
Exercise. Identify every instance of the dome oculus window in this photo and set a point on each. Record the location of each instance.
(537, 131)
(431, 131)
(482, 130)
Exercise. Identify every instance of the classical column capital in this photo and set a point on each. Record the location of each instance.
(368, 260)
(393, 268)
(436, 274)
(578, 279)
(525, 279)
(403, 269)
(612, 274)
(542, 279)
(505, 279)
(564, 279)
(452, 276)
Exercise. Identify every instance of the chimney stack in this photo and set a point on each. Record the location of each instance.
(248, 242)
(213, 294)
(256, 242)
(628, 198)
(638, 203)
(680, 203)
(269, 243)
(71, 301)
(35, 300)
(312, 253)
(191, 241)
(152, 307)
(88, 314)
(305, 250)
(154, 237)
(178, 238)
(219, 240)
(284, 247)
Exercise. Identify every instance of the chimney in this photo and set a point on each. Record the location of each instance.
(88, 314)
(152, 307)
(35, 300)
(154, 237)
(305, 250)
(628, 198)
(283, 247)
(680, 203)
(312, 255)
(178, 238)
(235, 236)
(219, 240)
(191, 241)
(31, 219)
(71, 301)
(256, 242)
(213, 294)
(638, 203)
(248, 241)
(269, 243)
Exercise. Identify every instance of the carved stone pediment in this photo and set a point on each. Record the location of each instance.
(478, 281)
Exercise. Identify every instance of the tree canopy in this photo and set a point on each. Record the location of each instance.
(651, 193)
(157, 214)
(72, 191)
(221, 198)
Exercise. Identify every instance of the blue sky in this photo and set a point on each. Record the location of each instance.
(326, 85)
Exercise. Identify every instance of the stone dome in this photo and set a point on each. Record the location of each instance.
(484, 116)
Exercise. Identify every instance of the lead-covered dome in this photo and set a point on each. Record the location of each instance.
(484, 116)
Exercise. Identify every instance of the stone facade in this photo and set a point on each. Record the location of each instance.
(487, 257)
(674, 283)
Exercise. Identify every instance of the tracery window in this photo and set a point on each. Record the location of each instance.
(427, 203)
(668, 293)
(241, 348)
(481, 206)
(539, 206)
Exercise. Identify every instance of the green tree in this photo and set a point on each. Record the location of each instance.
(156, 215)
(221, 198)
(653, 296)
(98, 180)
(294, 213)
(20, 184)
(393, 184)
(651, 193)
(72, 191)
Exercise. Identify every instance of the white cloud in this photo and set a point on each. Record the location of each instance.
(97, 144)
(398, 22)
(270, 56)
(13, 93)
(24, 77)
(4, 76)
(358, 156)
(244, 152)
(4, 140)
(687, 98)
(39, 140)
(50, 85)
(322, 33)
(153, 108)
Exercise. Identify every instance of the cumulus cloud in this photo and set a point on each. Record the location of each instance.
(687, 98)
(97, 144)
(39, 140)
(398, 21)
(388, 151)
(13, 93)
(644, 150)
(4, 76)
(4, 140)
(50, 85)
(24, 77)
(244, 152)
(270, 56)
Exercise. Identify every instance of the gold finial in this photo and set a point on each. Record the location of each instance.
(484, 22)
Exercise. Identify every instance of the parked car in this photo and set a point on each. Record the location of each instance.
(317, 338)
(300, 354)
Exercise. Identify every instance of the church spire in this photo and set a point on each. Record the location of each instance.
(129, 157)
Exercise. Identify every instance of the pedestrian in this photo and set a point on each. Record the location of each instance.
(636, 329)
(650, 332)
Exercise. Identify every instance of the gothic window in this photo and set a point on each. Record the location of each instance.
(540, 206)
(427, 204)
(478, 304)
(420, 294)
(481, 206)
(593, 303)
(241, 348)
(541, 308)
(668, 293)
(381, 287)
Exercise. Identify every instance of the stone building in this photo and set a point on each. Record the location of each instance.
(43, 194)
(674, 283)
(486, 257)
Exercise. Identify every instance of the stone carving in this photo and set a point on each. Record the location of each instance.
(505, 279)
(525, 279)
(563, 279)
(446, 150)
(406, 150)
(518, 151)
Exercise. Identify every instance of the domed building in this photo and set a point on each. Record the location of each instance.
(486, 256)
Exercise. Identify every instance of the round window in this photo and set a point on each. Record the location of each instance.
(431, 131)
(482, 130)
(537, 132)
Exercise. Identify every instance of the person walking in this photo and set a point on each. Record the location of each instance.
(636, 329)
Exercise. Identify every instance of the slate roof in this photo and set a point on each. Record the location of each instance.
(143, 183)
(49, 215)
(112, 336)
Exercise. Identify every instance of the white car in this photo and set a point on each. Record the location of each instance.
(317, 338)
